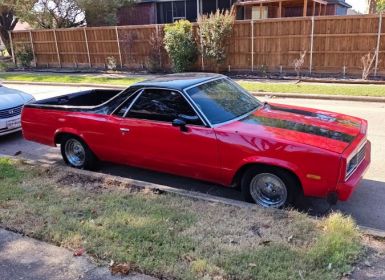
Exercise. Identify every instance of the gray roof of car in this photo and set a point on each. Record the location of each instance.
(179, 81)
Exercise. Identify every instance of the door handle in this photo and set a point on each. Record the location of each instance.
(124, 130)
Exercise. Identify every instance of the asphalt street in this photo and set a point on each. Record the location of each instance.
(366, 206)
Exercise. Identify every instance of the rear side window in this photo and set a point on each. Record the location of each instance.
(163, 105)
(122, 109)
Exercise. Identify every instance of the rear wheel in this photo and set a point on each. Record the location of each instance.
(77, 154)
(269, 187)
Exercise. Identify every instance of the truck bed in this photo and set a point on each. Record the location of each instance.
(88, 98)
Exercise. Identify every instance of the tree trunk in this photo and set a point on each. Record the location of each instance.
(4, 35)
(372, 6)
(8, 22)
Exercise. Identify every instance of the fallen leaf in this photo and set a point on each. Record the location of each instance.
(121, 268)
(79, 252)
(252, 264)
(368, 264)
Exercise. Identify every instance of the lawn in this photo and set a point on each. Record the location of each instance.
(64, 78)
(172, 237)
(252, 86)
(315, 88)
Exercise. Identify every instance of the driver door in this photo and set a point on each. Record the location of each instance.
(149, 139)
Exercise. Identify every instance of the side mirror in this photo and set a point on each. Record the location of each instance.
(181, 124)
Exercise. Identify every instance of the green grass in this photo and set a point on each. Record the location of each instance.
(315, 88)
(169, 236)
(63, 78)
(283, 87)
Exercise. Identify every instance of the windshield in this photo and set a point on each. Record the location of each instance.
(222, 100)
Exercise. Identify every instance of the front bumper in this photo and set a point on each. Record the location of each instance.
(10, 125)
(345, 189)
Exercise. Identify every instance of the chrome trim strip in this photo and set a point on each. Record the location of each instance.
(133, 102)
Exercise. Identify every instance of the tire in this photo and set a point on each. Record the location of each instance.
(269, 187)
(77, 154)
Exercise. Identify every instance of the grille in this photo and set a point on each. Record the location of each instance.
(11, 112)
(355, 161)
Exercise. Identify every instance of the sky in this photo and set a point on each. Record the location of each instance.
(358, 5)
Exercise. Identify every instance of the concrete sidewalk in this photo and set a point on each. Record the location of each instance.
(28, 259)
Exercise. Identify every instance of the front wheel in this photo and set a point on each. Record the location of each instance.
(269, 188)
(77, 154)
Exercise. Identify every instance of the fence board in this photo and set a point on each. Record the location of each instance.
(338, 42)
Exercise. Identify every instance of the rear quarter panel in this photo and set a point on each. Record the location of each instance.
(97, 131)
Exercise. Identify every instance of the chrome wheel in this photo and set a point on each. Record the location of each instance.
(75, 152)
(268, 190)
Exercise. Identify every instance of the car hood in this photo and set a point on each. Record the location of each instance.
(326, 130)
(10, 98)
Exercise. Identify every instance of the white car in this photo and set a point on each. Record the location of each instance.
(11, 105)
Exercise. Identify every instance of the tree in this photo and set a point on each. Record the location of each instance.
(102, 12)
(51, 14)
(9, 18)
(376, 6)
(215, 30)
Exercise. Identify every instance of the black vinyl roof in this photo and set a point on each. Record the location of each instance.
(179, 81)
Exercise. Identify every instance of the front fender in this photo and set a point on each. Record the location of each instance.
(272, 162)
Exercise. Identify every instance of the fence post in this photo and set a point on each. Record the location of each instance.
(87, 47)
(159, 49)
(32, 47)
(12, 51)
(57, 48)
(378, 44)
(311, 45)
(118, 41)
(252, 45)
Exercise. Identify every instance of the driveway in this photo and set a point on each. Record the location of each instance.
(367, 205)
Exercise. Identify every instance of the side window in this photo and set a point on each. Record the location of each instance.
(121, 110)
(163, 105)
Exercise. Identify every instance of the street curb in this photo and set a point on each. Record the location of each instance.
(258, 94)
(162, 188)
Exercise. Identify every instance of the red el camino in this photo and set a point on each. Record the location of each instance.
(206, 127)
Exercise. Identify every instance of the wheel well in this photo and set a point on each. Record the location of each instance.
(238, 176)
(61, 135)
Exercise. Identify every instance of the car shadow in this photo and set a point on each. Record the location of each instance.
(311, 206)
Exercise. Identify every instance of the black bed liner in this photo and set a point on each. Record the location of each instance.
(102, 101)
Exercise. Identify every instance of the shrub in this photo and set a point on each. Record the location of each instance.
(24, 56)
(180, 45)
(155, 56)
(4, 66)
(367, 64)
(298, 63)
(215, 30)
(111, 63)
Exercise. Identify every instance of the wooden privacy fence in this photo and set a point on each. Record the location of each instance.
(333, 44)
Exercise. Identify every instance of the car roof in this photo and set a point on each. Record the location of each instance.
(179, 81)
